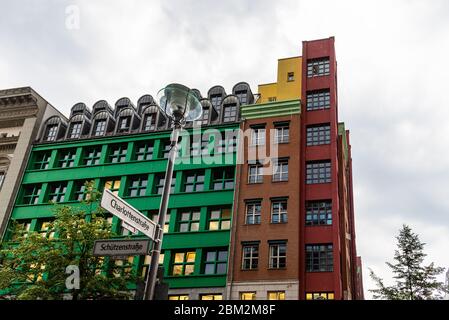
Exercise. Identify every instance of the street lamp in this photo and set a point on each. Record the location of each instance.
(181, 105)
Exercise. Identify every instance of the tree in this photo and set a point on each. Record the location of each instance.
(34, 265)
(414, 281)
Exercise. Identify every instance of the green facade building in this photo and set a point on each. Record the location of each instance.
(124, 149)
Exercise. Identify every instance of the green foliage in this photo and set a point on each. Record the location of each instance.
(414, 281)
(33, 266)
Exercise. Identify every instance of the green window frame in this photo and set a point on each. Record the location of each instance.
(92, 156)
(183, 263)
(159, 183)
(31, 194)
(57, 192)
(215, 261)
(220, 219)
(67, 159)
(42, 160)
(112, 184)
(144, 151)
(137, 186)
(117, 153)
(194, 181)
(79, 191)
(223, 179)
(165, 149)
(154, 216)
(189, 220)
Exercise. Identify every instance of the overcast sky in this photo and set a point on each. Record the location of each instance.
(393, 82)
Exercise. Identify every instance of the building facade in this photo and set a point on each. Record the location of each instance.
(22, 111)
(124, 149)
(294, 231)
(269, 216)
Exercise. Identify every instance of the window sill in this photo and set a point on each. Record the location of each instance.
(279, 223)
(277, 269)
(251, 224)
(278, 181)
(245, 270)
(318, 225)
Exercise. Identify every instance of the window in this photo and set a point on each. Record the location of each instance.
(160, 182)
(253, 210)
(215, 99)
(50, 132)
(124, 124)
(42, 160)
(255, 173)
(147, 260)
(118, 153)
(211, 297)
(215, 262)
(318, 67)
(92, 156)
(242, 95)
(79, 193)
(200, 145)
(144, 151)
(250, 256)
(220, 219)
(272, 99)
(247, 296)
(282, 134)
(319, 213)
(123, 266)
(67, 159)
(75, 130)
(100, 127)
(257, 136)
(318, 134)
(166, 147)
(31, 194)
(194, 181)
(183, 263)
(189, 221)
(178, 297)
(318, 100)
(23, 227)
(320, 296)
(229, 113)
(149, 122)
(137, 186)
(57, 192)
(206, 115)
(318, 172)
(155, 218)
(278, 255)
(279, 211)
(113, 185)
(290, 76)
(227, 143)
(224, 179)
(280, 170)
(46, 230)
(319, 258)
(276, 295)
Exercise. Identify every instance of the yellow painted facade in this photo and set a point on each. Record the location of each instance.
(288, 85)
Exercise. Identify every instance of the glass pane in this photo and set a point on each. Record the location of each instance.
(196, 215)
(215, 214)
(223, 256)
(189, 269)
(190, 257)
(213, 225)
(211, 256)
(226, 224)
(177, 270)
(179, 257)
(221, 268)
(194, 226)
(209, 269)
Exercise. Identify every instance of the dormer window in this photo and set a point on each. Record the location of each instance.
(149, 122)
(215, 99)
(242, 95)
(75, 130)
(206, 114)
(50, 132)
(124, 124)
(229, 113)
(100, 127)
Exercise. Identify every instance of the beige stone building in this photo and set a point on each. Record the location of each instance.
(22, 111)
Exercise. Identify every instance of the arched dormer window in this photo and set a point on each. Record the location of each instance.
(79, 123)
(152, 119)
(54, 129)
(216, 95)
(231, 109)
(243, 92)
(209, 114)
(123, 103)
(102, 105)
(102, 124)
(127, 120)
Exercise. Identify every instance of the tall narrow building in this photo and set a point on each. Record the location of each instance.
(293, 229)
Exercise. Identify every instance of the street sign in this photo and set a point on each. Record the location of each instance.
(122, 248)
(125, 212)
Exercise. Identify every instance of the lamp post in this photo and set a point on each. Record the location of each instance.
(181, 105)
